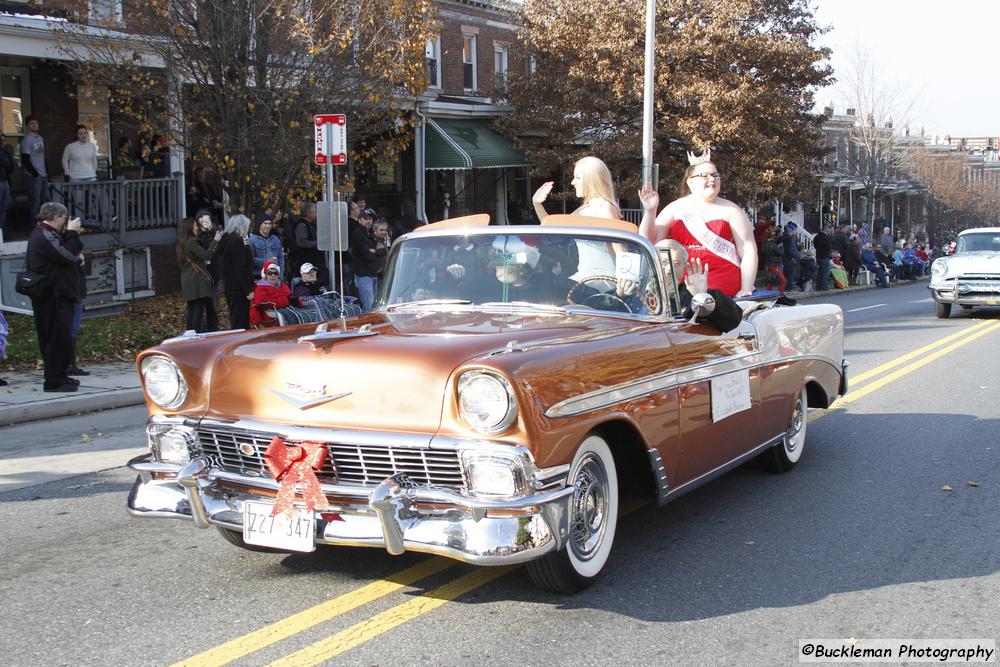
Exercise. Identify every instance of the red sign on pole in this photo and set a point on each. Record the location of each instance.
(330, 138)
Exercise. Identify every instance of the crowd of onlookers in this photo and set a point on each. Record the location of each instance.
(838, 257)
(275, 266)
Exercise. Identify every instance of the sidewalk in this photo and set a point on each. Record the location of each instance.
(108, 386)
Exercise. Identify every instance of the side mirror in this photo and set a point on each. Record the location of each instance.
(703, 305)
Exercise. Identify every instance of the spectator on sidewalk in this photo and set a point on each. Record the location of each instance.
(305, 248)
(54, 250)
(852, 260)
(368, 255)
(36, 174)
(196, 282)
(823, 246)
(237, 270)
(79, 158)
(772, 255)
(807, 270)
(885, 240)
(874, 266)
(123, 156)
(6, 170)
(265, 245)
(790, 254)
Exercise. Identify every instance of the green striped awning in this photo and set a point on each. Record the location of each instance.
(467, 144)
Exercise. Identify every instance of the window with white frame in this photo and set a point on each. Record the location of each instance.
(469, 61)
(105, 12)
(432, 56)
(500, 55)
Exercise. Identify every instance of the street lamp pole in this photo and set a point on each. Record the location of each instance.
(648, 169)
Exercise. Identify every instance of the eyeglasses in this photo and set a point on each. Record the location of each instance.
(272, 273)
(714, 175)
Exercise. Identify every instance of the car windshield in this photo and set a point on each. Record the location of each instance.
(979, 241)
(523, 270)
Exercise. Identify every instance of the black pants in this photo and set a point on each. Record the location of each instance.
(54, 325)
(239, 309)
(201, 315)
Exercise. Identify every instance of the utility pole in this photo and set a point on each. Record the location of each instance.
(649, 171)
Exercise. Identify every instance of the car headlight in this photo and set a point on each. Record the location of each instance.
(486, 401)
(164, 381)
(492, 475)
(171, 443)
(939, 268)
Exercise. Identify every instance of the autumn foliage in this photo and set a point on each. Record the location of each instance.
(736, 75)
(246, 76)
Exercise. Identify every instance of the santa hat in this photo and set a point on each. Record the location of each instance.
(269, 265)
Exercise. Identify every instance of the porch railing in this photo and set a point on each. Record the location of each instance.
(121, 205)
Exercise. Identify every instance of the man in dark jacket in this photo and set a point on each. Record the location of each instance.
(54, 250)
(368, 257)
(304, 245)
(823, 246)
(790, 254)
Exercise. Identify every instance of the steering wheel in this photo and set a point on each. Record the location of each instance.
(597, 300)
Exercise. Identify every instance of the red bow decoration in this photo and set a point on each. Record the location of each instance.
(293, 464)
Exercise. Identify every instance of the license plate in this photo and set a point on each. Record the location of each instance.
(278, 532)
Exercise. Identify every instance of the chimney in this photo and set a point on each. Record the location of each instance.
(870, 120)
(888, 124)
(850, 112)
(906, 129)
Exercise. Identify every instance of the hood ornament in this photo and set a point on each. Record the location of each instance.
(305, 396)
(323, 334)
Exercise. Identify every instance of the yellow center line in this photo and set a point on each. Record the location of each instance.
(916, 353)
(379, 624)
(303, 620)
(906, 370)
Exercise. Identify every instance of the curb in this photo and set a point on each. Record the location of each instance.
(70, 405)
(799, 296)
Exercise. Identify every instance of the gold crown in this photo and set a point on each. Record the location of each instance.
(700, 159)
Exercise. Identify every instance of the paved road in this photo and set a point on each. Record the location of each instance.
(859, 540)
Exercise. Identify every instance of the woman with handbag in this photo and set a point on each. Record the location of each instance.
(197, 286)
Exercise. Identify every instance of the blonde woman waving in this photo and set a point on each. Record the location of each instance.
(592, 181)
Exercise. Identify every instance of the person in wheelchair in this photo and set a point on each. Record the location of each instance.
(269, 294)
(327, 303)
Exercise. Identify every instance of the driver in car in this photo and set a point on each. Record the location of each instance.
(514, 263)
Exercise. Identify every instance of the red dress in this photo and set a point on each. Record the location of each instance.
(723, 275)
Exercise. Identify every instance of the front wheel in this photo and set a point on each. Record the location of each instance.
(783, 456)
(942, 310)
(594, 517)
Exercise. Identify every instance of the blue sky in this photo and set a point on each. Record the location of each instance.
(944, 52)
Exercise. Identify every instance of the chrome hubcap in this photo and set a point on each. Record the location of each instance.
(590, 507)
(795, 428)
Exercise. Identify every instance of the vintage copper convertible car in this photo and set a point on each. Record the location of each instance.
(506, 391)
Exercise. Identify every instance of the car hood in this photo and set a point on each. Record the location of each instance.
(395, 379)
(986, 261)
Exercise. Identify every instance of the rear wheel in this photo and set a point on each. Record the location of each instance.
(942, 310)
(235, 537)
(783, 456)
(594, 517)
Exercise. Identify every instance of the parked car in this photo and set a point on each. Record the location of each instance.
(971, 275)
(511, 385)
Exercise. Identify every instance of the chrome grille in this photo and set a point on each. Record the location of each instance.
(352, 464)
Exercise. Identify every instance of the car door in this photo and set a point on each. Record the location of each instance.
(719, 388)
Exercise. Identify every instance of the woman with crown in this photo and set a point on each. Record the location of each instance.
(714, 230)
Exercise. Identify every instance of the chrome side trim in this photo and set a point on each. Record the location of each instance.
(721, 470)
(651, 384)
(662, 488)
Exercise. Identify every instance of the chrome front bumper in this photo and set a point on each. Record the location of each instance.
(967, 293)
(396, 515)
